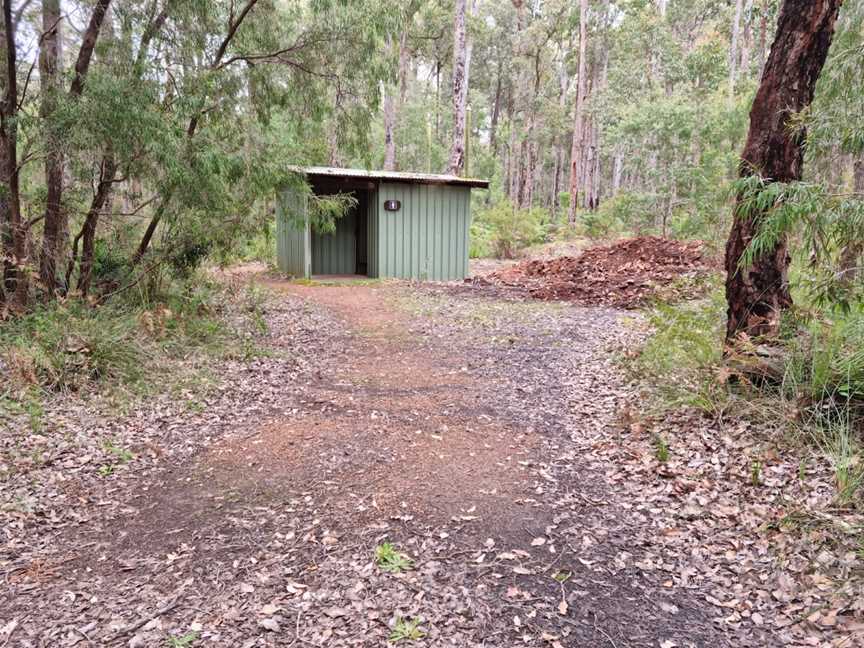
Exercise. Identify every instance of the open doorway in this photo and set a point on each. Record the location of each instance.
(343, 252)
(361, 232)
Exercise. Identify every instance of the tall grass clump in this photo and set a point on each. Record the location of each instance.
(74, 345)
(63, 346)
(682, 358)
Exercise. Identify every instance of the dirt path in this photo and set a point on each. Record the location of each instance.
(456, 428)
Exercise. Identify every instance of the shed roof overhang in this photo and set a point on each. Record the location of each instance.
(314, 173)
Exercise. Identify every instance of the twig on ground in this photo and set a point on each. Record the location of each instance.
(132, 627)
(604, 633)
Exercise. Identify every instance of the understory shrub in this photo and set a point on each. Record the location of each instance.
(65, 345)
(683, 355)
(73, 345)
(817, 396)
(502, 230)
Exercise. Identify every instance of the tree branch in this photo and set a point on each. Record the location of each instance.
(82, 64)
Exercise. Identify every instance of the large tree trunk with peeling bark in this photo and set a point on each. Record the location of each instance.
(757, 295)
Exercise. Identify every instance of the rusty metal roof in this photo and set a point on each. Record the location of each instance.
(392, 176)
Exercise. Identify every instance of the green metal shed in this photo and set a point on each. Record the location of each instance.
(405, 225)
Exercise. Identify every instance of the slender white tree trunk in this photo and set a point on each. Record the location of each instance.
(733, 51)
(461, 68)
(576, 161)
(617, 171)
(389, 130)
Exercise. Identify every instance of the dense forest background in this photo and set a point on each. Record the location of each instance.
(159, 131)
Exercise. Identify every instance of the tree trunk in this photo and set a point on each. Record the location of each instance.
(576, 162)
(515, 165)
(598, 84)
(763, 35)
(461, 68)
(389, 128)
(747, 40)
(108, 168)
(49, 55)
(16, 281)
(757, 295)
(733, 50)
(526, 196)
(563, 85)
(393, 105)
(107, 173)
(87, 235)
(617, 171)
(496, 111)
(234, 25)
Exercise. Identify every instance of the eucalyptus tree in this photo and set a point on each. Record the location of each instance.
(462, 48)
(189, 115)
(578, 148)
(757, 287)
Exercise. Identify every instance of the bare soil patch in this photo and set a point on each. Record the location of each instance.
(466, 430)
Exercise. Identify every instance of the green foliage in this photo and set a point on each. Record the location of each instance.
(661, 449)
(123, 455)
(756, 473)
(199, 154)
(818, 397)
(66, 346)
(406, 630)
(325, 210)
(183, 641)
(503, 230)
(616, 215)
(826, 360)
(682, 356)
(73, 346)
(391, 560)
(833, 121)
(825, 226)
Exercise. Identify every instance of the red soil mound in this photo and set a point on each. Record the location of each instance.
(624, 274)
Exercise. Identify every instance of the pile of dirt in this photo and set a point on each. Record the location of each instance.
(624, 274)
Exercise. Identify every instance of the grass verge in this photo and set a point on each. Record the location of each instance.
(126, 349)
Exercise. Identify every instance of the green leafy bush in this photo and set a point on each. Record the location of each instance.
(817, 397)
(502, 230)
(682, 357)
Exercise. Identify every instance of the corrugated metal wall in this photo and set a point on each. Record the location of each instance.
(428, 237)
(372, 233)
(293, 240)
(336, 253)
